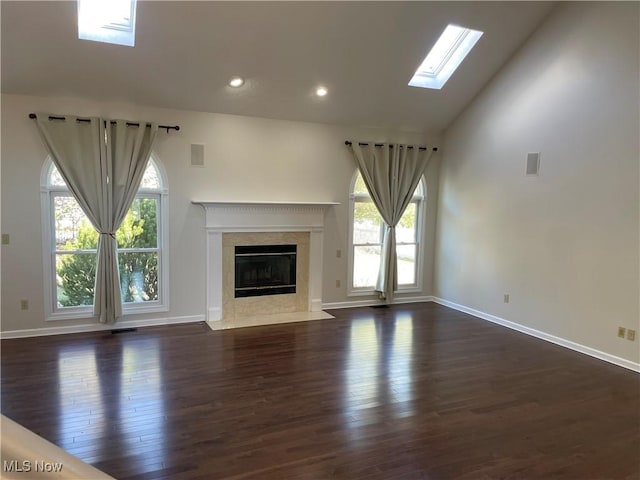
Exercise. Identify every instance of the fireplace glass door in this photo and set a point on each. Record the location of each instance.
(265, 270)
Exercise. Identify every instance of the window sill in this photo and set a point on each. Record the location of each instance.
(72, 315)
(411, 289)
(141, 309)
(361, 293)
(87, 314)
(368, 293)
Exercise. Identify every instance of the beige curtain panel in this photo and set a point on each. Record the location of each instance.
(391, 173)
(103, 162)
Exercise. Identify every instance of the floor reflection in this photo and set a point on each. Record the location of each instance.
(400, 365)
(378, 373)
(143, 420)
(362, 389)
(80, 410)
(115, 407)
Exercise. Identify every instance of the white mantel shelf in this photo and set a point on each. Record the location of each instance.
(264, 216)
(265, 203)
(261, 216)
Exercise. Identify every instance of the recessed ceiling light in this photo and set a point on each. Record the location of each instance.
(446, 55)
(236, 82)
(321, 91)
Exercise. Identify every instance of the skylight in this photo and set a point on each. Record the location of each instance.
(108, 21)
(446, 55)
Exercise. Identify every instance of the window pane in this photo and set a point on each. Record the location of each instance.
(55, 179)
(419, 191)
(366, 223)
(73, 231)
(359, 186)
(139, 229)
(406, 264)
(406, 229)
(366, 263)
(75, 279)
(150, 179)
(138, 276)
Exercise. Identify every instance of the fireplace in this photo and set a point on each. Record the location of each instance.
(265, 270)
(231, 224)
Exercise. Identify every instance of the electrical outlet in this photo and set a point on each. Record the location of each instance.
(24, 304)
(506, 298)
(5, 239)
(338, 283)
(631, 335)
(338, 253)
(621, 331)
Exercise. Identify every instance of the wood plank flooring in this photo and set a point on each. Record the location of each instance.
(410, 392)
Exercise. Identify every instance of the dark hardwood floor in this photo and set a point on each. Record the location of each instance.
(410, 392)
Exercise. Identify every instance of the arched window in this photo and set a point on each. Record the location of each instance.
(70, 248)
(366, 235)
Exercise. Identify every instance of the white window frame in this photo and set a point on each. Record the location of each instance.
(453, 45)
(420, 201)
(47, 193)
(96, 22)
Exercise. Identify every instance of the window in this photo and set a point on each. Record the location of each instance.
(366, 234)
(445, 57)
(71, 242)
(108, 21)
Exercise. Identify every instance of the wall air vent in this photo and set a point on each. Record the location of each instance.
(197, 155)
(533, 164)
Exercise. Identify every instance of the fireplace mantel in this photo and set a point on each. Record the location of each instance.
(261, 216)
(264, 216)
(263, 203)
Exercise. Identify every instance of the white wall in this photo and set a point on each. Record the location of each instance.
(564, 245)
(246, 159)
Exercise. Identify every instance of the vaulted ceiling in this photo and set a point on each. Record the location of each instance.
(186, 52)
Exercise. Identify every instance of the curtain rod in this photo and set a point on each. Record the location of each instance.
(129, 124)
(347, 142)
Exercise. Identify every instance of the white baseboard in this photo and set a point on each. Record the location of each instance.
(97, 327)
(621, 362)
(373, 302)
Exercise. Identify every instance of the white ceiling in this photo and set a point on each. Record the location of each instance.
(185, 53)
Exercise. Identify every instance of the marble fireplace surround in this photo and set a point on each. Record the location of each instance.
(262, 217)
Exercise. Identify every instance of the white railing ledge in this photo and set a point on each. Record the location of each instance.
(26, 455)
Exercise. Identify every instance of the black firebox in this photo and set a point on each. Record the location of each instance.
(265, 270)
